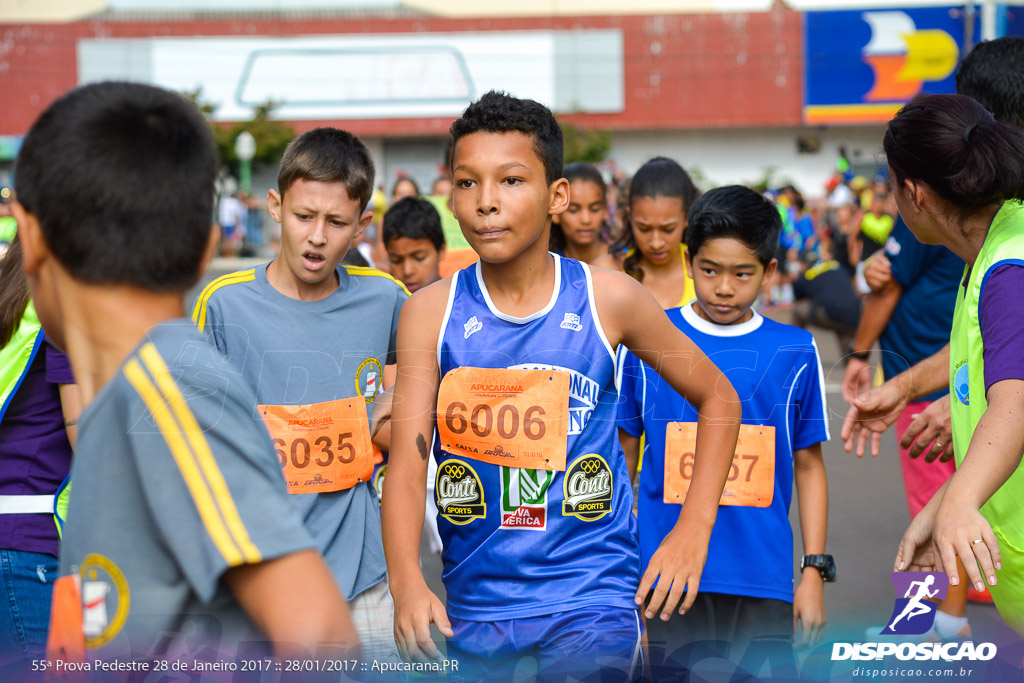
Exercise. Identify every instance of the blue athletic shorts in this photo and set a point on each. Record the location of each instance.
(593, 644)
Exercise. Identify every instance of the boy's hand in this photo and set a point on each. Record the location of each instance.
(809, 609)
(415, 609)
(676, 565)
(931, 432)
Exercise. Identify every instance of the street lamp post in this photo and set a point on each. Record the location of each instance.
(245, 150)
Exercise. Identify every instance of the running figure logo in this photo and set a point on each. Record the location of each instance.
(913, 614)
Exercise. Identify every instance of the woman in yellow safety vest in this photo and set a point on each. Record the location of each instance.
(959, 178)
(38, 408)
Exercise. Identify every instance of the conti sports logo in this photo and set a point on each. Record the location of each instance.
(459, 493)
(587, 486)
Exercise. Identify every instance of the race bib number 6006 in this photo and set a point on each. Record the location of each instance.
(515, 418)
(751, 480)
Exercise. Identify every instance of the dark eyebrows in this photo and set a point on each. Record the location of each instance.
(669, 224)
(703, 261)
(306, 211)
(504, 168)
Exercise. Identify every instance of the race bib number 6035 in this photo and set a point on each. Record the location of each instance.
(322, 447)
(515, 418)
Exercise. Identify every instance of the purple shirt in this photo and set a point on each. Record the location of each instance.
(1002, 324)
(35, 455)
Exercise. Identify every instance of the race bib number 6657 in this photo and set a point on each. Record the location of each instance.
(751, 479)
(515, 418)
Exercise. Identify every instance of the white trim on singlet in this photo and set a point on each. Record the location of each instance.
(444, 320)
(702, 325)
(643, 383)
(593, 312)
(533, 316)
(620, 366)
(821, 389)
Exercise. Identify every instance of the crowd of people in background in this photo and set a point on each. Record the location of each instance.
(680, 270)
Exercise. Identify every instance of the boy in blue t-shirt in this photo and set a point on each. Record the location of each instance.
(747, 587)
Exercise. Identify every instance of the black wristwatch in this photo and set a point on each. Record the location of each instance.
(859, 355)
(825, 564)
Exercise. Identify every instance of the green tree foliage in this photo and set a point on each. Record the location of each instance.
(271, 136)
(591, 146)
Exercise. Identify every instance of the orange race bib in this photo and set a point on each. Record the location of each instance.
(66, 640)
(516, 418)
(322, 447)
(751, 481)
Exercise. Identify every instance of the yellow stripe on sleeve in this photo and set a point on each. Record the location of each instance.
(207, 463)
(199, 311)
(363, 270)
(172, 434)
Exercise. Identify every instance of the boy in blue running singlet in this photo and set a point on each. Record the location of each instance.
(747, 588)
(516, 354)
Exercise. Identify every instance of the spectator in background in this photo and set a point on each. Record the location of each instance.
(825, 298)
(581, 231)
(231, 214)
(414, 241)
(442, 186)
(8, 227)
(404, 187)
(875, 226)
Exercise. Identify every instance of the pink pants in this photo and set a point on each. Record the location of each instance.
(920, 479)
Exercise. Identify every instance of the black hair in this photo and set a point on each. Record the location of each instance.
(659, 177)
(354, 258)
(993, 74)
(329, 155)
(415, 218)
(121, 178)
(739, 213)
(582, 171)
(408, 179)
(498, 112)
(955, 147)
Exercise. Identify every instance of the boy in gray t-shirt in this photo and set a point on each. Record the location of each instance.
(312, 338)
(180, 541)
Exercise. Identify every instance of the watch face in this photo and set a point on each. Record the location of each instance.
(829, 568)
(823, 563)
